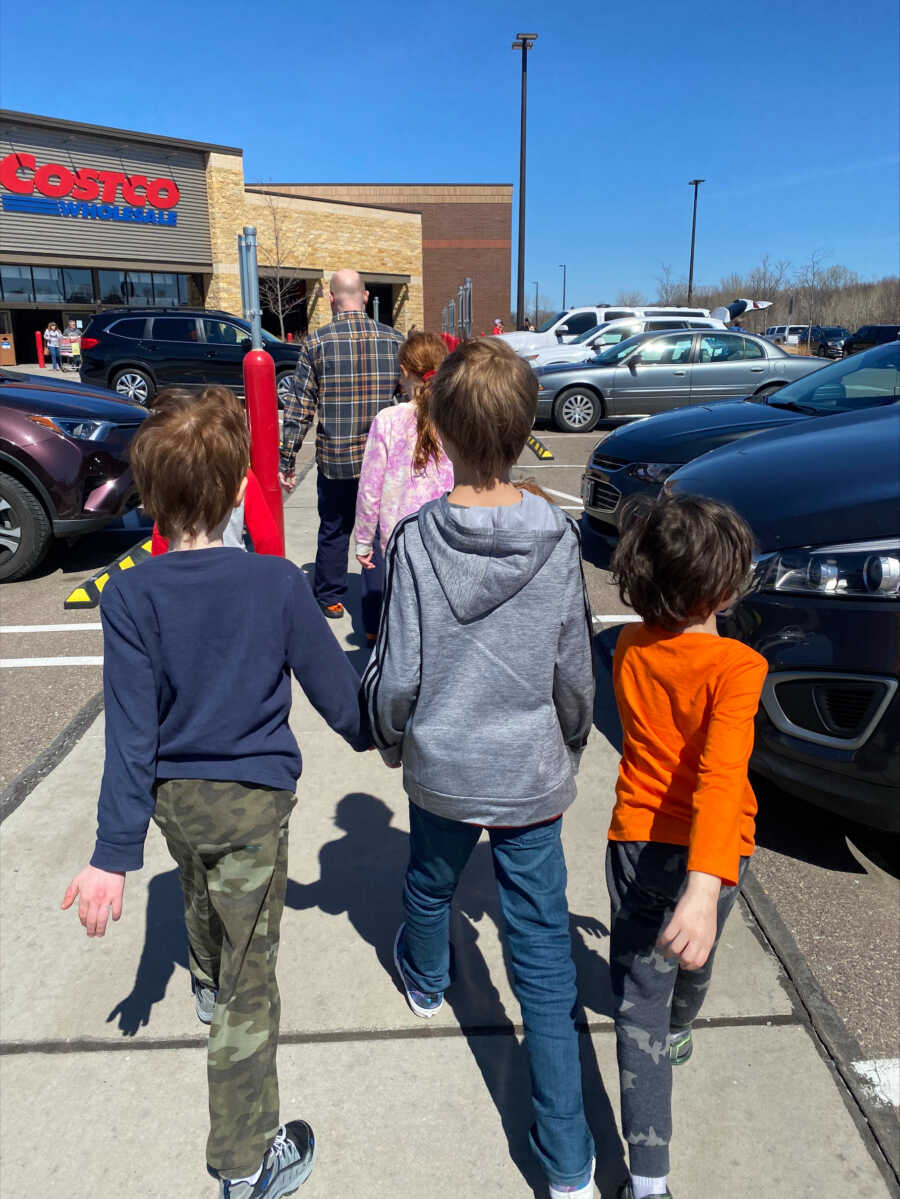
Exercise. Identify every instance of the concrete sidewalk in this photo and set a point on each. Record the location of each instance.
(103, 1073)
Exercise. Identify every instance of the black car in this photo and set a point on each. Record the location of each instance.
(138, 351)
(63, 465)
(828, 340)
(641, 456)
(823, 606)
(868, 336)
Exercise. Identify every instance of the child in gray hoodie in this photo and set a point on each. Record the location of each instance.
(481, 686)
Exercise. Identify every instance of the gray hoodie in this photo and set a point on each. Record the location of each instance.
(481, 681)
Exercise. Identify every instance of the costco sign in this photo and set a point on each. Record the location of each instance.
(89, 193)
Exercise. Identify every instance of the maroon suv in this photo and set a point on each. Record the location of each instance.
(63, 465)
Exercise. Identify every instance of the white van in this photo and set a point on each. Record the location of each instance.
(787, 334)
(575, 322)
(596, 340)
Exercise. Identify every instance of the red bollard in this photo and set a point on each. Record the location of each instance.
(290, 336)
(39, 342)
(262, 417)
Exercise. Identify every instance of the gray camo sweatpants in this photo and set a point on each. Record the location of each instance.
(653, 996)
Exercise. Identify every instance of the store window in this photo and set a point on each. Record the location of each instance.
(17, 285)
(111, 287)
(140, 289)
(165, 290)
(78, 286)
(48, 287)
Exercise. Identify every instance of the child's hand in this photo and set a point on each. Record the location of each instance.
(288, 480)
(97, 892)
(690, 934)
(365, 560)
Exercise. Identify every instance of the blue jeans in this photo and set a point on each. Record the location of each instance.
(337, 516)
(54, 357)
(530, 869)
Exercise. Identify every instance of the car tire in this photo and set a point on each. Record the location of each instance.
(577, 410)
(25, 530)
(284, 386)
(134, 384)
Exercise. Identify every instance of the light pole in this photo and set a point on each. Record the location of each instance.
(523, 42)
(535, 303)
(695, 184)
(563, 265)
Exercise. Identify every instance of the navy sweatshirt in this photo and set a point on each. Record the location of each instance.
(198, 650)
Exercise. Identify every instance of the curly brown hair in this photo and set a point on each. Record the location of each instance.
(422, 354)
(680, 558)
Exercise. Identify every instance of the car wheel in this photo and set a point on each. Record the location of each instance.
(25, 532)
(134, 385)
(768, 390)
(284, 387)
(577, 410)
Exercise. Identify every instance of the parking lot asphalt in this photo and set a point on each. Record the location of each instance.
(835, 884)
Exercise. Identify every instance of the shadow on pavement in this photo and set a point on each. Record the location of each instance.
(606, 714)
(361, 874)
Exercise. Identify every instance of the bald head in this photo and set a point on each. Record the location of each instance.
(348, 292)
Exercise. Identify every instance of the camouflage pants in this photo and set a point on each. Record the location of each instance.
(231, 845)
(653, 996)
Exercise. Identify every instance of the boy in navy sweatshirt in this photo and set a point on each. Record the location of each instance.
(199, 645)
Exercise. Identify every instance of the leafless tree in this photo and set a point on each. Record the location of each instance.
(627, 299)
(279, 291)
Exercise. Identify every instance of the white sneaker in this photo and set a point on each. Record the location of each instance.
(576, 1190)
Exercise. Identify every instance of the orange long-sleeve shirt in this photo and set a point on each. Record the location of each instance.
(687, 703)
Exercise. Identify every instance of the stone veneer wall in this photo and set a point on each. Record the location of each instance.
(314, 235)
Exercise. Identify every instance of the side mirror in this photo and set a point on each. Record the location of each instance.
(562, 330)
(634, 361)
(246, 343)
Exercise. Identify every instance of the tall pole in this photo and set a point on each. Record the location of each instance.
(563, 265)
(523, 42)
(535, 303)
(695, 184)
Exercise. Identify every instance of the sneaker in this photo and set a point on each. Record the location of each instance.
(287, 1164)
(625, 1192)
(333, 611)
(577, 1190)
(421, 1002)
(681, 1046)
(204, 1000)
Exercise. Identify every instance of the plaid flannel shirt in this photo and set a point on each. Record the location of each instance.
(347, 372)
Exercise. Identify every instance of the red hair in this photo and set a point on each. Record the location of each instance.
(421, 355)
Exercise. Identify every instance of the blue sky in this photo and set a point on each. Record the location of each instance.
(790, 112)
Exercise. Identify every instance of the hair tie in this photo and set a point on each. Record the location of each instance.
(428, 375)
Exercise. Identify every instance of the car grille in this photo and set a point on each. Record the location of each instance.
(829, 711)
(602, 462)
(602, 495)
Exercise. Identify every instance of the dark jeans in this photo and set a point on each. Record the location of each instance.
(54, 357)
(337, 515)
(653, 996)
(530, 869)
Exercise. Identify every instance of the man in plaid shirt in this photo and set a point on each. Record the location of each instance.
(347, 372)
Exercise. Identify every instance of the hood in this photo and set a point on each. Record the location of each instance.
(482, 557)
(522, 340)
(685, 433)
(32, 393)
(822, 482)
(553, 373)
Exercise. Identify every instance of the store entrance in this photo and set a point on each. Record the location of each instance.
(384, 293)
(25, 323)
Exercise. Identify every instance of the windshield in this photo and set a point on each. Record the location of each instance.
(863, 381)
(588, 334)
(550, 322)
(618, 353)
(834, 331)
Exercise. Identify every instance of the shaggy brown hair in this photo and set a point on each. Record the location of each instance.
(680, 558)
(189, 457)
(483, 401)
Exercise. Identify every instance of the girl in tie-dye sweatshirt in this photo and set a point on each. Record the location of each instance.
(404, 465)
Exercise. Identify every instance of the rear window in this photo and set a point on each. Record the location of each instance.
(133, 326)
(175, 328)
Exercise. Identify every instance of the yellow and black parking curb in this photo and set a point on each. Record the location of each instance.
(539, 449)
(87, 595)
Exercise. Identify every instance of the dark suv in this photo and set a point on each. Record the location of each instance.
(63, 465)
(828, 340)
(137, 351)
(868, 336)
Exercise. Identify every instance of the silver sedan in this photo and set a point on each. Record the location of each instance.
(654, 372)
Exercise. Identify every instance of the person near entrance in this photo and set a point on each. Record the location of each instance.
(70, 345)
(52, 338)
(346, 373)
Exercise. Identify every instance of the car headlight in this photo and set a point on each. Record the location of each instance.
(868, 569)
(529, 357)
(653, 472)
(80, 428)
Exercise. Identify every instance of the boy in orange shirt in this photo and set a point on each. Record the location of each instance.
(682, 827)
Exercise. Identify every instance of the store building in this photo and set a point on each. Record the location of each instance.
(94, 217)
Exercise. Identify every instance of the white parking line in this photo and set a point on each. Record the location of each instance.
(564, 495)
(47, 628)
(12, 663)
(551, 466)
(618, 619)
(571, 507)
(883, 1078)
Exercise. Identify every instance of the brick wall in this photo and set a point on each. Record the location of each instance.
(466, 230)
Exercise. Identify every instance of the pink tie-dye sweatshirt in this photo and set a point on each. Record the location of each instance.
(389, 487)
